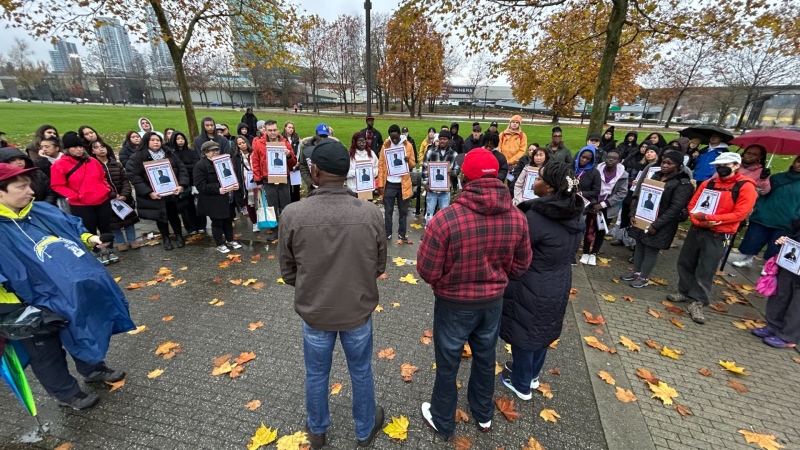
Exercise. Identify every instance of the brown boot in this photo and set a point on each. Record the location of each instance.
(122, 247)
(135, 245)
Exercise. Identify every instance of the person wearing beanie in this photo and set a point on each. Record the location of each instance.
(712, 226)
(443, 153)
(456, 140)
(374, 137)
(594, 140)
(658, 236)
(559, 152)
(492, 130)
(396, 189)
(260, 128)
(513, 142)
(82, 181)
(613, 188)
(332, 251)
(468, 253)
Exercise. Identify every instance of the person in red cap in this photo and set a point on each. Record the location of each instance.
(468, 253)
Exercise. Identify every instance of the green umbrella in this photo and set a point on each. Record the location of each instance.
(12, 370)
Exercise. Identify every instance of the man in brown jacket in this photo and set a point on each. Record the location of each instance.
(332, 250)
(396, 188)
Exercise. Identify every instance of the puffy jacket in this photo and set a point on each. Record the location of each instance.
(259, 157)
(209, 201)
(126, 151)
(470, 143)
(781, 205)
(535, 302)
(383, 171)
(730, 214)
(514, 145)
(703, 170)
(149, 208)
(122, 186)
(678, 192)
(435, 155)
(87, 186)
(471, 248)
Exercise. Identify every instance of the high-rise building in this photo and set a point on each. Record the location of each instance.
(115, 46)
(160, 59)
(64, 56)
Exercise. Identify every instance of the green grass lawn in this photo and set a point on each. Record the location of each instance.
(20, 121)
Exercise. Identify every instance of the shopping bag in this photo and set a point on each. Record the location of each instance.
(265, 214)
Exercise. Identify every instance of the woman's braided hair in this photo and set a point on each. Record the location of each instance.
(561, 178)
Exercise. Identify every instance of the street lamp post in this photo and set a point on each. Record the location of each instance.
(367, 7)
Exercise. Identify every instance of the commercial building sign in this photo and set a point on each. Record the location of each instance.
(465, 90)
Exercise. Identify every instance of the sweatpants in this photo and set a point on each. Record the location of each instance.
(698, 262)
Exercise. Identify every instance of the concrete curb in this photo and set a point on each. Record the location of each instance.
(623, 423)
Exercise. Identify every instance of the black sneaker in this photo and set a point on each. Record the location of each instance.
(630, 276)
(379, 419)
(103, 373)
(317, 440)
(81, 401)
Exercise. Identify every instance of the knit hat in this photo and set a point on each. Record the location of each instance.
(71, 139)
(332, 157)
(478, 163)
(493, 124)
(516, 117)
(445, 134)
(594, 137)
(675, 156)
(260, 124)
(209, 146)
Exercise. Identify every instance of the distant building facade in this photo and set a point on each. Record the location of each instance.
(115, 46)
(64, 57)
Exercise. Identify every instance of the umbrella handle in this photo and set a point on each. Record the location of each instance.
(769, 163)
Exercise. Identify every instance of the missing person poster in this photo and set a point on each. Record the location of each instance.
(162, 178)
(527, 187)
(225, 172)
(365, 179)
(707, 202)
(396, 161)
(649, 200)
(789, 256)
(277, 170)
(438, 176)
(120, 208)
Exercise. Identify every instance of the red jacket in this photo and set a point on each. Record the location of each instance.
(729, 214)
(259, 157)
(87, 186)
(471, 248)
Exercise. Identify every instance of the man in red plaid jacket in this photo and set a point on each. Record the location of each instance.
(468, 253)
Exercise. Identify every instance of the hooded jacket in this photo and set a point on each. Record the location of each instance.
(613, 192)
(703, 169)
(44, 261)
(187, 156)
(141, 130)
(534, 303)
(781, 205)
(473, 247)
(589, 178)
(678, 192)
(457, 141)
(624, 148)
(87, 186)
(40, 182)
(730, 214)
(202, 138)
(514, 145)
(249, 135)
(251, 121)
(606, 145)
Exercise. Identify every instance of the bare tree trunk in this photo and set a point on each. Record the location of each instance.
(602, 89)
(747, 102)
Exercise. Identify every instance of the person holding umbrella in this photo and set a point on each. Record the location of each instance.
(717, 139)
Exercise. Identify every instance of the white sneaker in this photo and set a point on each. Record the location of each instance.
(535, 383)
(223, 249)
(507, 383)
(592, 259)
(742, 263)
(584, 259)
(427, 416)
(235, 245)
(255, 228)
(763, 273)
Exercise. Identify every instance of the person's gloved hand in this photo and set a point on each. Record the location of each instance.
(765, 173)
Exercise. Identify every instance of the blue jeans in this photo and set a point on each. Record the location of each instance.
(318, 353)
(451, 330)
(433, 199)
(526, 366)
(130, 235)
(757, 236)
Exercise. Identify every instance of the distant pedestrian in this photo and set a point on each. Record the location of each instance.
(711, 232)
(329, 302)
(535, 302)
(468, 253)
(295, 108)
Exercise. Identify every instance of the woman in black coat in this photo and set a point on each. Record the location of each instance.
(132, 142)
(214, 201)
(165, 210)
(783, 308)
(534, 304)
(678, 191)
(180, 145)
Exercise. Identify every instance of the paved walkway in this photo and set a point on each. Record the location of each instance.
(186, 407)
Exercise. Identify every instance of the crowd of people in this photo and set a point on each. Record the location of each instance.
(494, 258)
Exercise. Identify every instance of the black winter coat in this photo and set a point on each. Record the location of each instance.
(589, 185)
(524, 161)
(470, 143)
(209, 201)
(534, 303)
(125, 153)
(147, 207)
(122, 186)
(678, 191)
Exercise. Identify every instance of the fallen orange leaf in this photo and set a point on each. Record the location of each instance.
(592, 319)
(627, 298)
(236, 371)
(336, 388)
(154, 297)
(166, 347)
(461, 416)
(555, 371)
(629, 344)
(677, 322)
(506, 407)
(705, 372)
(765, 441)
(533, 444)
(237, 281)
(115, 385)
(655, 314)
(253, 405)
(384, 276)
(683, 410)
(718, 307)
(624, 395)
(222, 360)
(546, 391)
(554, 344)
(133, 286)
(652, 344)
(245, 357)
(387, 353)
(466, 352)
(605, 376)
(647, 376)
(64, 446)
(167, 318)
(407, 371)
(739, 387)
(255, 325)
(462, 442)
(549, 415)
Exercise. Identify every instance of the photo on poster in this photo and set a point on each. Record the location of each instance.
(225, 172)
(707, 202)
(789, 256)
(276, 161)
(438, 179)
(652, 171)
(527, 186)
(120, 208)
(162, 178)
(365, 179)
(396, 161)
(649, 200)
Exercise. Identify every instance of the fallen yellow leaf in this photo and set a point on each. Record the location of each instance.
(387, 353)
(554, 344)
(549, 415)
(399, 261)
(629, 344)
(508, 348)
(177, 283)
(280, 281)
(533, 444)
(378, 308)
(609, 298)
(669, 353)
(213, 300)
(167, 318)
(116, 279)
(624, 395)
(545, 389)
(395, 304)
(397, 428)
(605, 376)
(155, 374)
(249, 282)
(663, 392)
(139, 329)
(219, 303)
(765, 441)
(731, 366)
(165, 347)
(264, 436)
(226, 367)
(409, 279)
(336, 388)
(253, 405)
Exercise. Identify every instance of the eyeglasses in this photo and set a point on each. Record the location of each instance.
(557, 135)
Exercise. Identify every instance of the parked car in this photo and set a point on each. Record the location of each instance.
(240, 104)
(14, 99)
(77, 100)
(482, 104)
(215, 104)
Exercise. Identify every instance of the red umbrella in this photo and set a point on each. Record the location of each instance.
(777, 142)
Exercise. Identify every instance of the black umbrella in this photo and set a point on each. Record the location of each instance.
(703, 132)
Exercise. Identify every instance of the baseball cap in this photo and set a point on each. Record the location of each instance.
(220, 127)
(404, 130)
(322, 129)
(8, 171)
(728, 158)
(478, 163)
(476, 128)
(332, 157)
(493, 124)
(594, 137)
